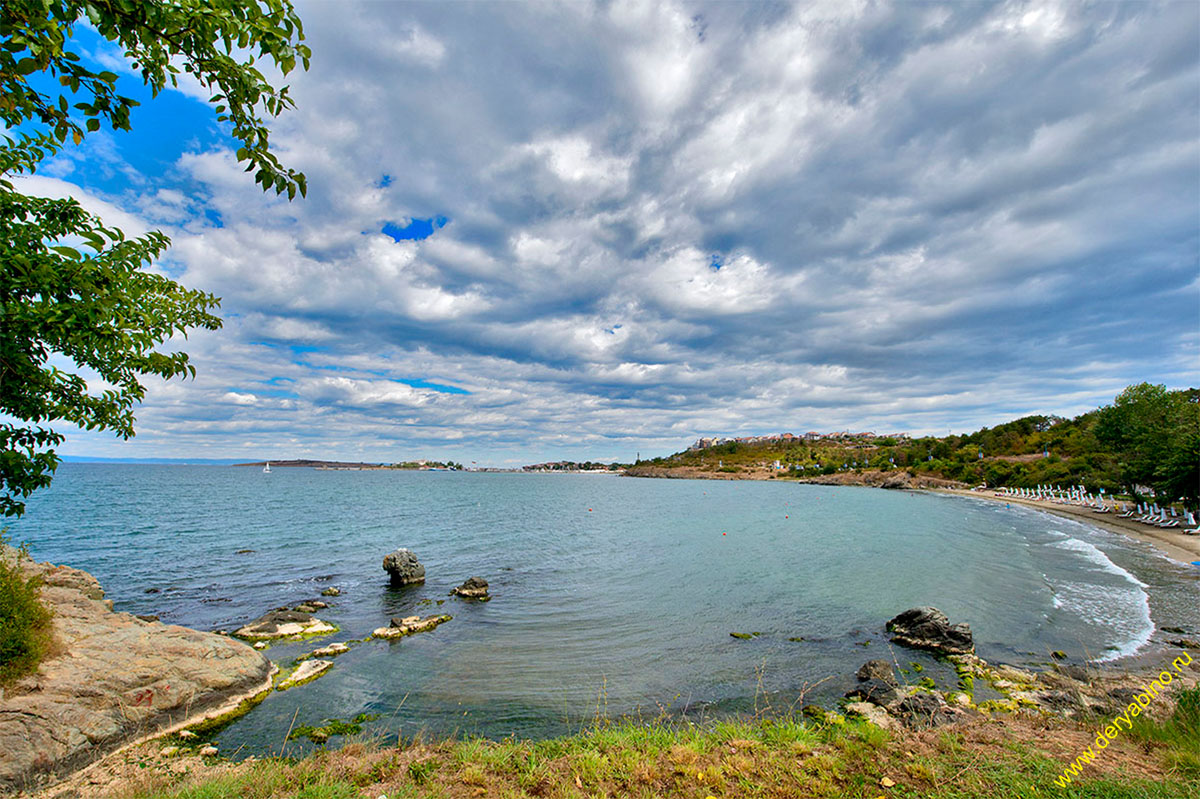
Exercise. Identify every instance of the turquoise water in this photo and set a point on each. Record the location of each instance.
(611, 595)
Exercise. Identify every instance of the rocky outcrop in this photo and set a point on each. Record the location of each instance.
(409, 625)
(929, 629)
(403, 568)
(473, 588)
(113, 680)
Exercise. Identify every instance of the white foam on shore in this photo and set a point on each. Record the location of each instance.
(1124, 607)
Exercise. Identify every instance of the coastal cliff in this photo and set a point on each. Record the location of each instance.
(112, 679)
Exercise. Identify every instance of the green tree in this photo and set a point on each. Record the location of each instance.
(1155, 434)
(76, 303)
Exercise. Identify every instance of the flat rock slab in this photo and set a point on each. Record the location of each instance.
(306, 672)
(409, 625)
(297, 622)
(116, 679)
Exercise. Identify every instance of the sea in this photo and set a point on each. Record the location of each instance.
(613, 597)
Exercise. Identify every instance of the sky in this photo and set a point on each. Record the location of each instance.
(537, 231)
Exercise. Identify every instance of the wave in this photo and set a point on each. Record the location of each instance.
(1124, 609)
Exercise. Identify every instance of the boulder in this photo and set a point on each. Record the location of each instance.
(473, 588)
(403, 568)
(928, 628)
(332, 650)
(877, 670)
(876, 691)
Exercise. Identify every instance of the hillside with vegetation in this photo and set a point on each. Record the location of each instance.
(1147, 442)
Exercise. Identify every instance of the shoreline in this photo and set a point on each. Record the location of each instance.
(1174, 545)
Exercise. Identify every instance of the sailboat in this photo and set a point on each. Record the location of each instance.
(267, 468)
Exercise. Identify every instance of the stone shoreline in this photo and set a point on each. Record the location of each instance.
(113, 681)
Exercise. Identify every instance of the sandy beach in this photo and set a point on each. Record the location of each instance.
(1172, 543)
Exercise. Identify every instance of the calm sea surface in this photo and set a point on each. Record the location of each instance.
(611, 595)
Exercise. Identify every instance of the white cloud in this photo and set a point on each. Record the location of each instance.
(922, 217)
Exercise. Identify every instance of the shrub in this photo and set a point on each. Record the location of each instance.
(24, 620)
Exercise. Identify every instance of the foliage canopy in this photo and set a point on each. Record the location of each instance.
(76, 300)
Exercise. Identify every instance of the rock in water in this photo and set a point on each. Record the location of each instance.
(877, 670)
(306, 672)
(928, 628)
(409, 625)
(283, 623)
(473, 588)
(403, 568)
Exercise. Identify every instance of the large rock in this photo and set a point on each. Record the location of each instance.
(928, 628)
(877, 670)
(473, 588)
(115, 679)
(404, 569)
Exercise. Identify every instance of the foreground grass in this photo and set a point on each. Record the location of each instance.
(25, 630)
(780, 758)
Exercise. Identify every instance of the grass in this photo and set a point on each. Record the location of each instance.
(25, 630)
(784, 757)
(1180, 734)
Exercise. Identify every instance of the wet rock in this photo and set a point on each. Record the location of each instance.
(473, 588)
(1058, 654)
(332, 650)
(877, 670)
(928, 628)
(410, 625)
(152, 591)
(877, 691)
(306, 672)
(872, 713)
(332, 591)
(149, 617)
(283, 623)
(403, 568)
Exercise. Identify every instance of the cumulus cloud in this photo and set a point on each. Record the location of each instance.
(669, 219)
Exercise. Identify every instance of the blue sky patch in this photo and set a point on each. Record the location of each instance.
(416, 229)
(441, 388)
